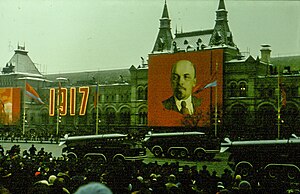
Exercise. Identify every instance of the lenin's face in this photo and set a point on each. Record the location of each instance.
(183, 79)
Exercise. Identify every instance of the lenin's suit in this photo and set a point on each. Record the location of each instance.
(170, 103)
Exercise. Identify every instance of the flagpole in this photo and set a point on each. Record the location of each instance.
(216, 104)
(57, 110)
(97, 111)
(278, 104)
(24, 110)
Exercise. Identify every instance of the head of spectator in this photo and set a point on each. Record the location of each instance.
(51, 179)
(40, 187)
(172, 178)
(238, 178)
(93, 188)
(220, 186)
(42, 182)
(140, 178)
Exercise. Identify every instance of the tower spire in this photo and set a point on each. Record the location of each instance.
(221, 34)
(165, 13)
(221, 5)
(164, 38)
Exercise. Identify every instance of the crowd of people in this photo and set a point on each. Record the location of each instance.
(37, 172)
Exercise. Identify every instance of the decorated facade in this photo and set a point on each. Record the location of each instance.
(252, 96)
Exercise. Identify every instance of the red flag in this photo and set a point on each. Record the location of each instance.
(283, 94)
(59, 100)
(96, 96)
(211, 82)
(30, 91)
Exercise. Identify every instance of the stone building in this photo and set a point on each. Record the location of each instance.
(253, 103)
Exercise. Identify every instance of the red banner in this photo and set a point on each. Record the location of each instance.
(10, 101)
(193, 77)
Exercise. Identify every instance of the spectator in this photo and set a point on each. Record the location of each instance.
(93, 188)
(25, 154)
(171, 182)
(4, 190)
(41, 152)
(32, 150)
(1, 151)
(58, 187)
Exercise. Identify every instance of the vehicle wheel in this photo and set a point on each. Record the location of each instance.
(244, 169)
(118, 159)
(157, 152)
(293, 174)
(200, 155)
(173, 153)
(183, 153)
(71, 157)
(101, 160)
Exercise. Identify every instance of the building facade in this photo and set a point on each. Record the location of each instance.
(261, 97)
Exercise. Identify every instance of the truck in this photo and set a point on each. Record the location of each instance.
(267, 161)
(102, 149)
(188, 144)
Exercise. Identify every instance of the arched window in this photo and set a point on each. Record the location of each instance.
(266, 119)
(110, 97)
(125, 116)
(143, 116)
(146, 93)
(140, 93)
(294, 91)
(243, 89)
(290, 117)
(266, 91)
(233, 89)
(238, 117)
(110, 116)
(271, 92)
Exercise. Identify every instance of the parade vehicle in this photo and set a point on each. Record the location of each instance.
(272, 160)
(104, 148)
(191, 144)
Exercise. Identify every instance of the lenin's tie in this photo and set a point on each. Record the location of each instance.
(184, 110)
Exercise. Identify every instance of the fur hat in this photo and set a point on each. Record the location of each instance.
(93, 188)
(51, 179)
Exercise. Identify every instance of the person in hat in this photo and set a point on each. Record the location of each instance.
(93, 188)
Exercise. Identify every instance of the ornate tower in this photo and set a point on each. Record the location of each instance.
(164, 38)
(221, 34)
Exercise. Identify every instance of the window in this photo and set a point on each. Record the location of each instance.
(143, 116)
(267, 119)
(141, 95)
(233, 90)
(243, 89)
(266, 91)
(125, 116)
(110, 116)
(291, 91)
(146, 93)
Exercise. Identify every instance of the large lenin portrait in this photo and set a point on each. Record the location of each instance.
(185, 88)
